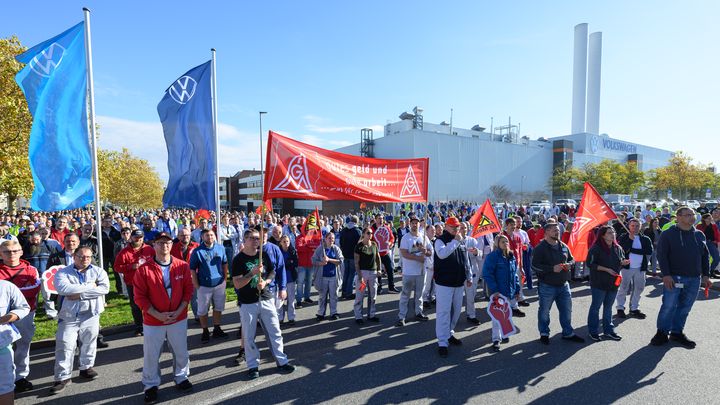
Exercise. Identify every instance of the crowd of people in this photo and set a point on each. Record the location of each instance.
(172, 263)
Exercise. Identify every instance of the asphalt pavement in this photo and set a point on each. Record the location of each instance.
(343, 363)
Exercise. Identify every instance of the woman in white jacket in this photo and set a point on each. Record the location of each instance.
(328, 268)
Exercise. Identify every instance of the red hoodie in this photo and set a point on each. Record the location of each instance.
(306, 246)
(127, 257)
(150, 290)
(27, 280)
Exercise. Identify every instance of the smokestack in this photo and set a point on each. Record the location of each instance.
(579, 76)
(593, 87)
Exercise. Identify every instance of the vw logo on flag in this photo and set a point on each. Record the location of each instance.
(183, 89)
(46, 62)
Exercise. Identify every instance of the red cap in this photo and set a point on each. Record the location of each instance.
(452, 221)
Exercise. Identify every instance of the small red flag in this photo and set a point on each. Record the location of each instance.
(593, 211)
(266, 207)
(484, 221)
(310, 230)
(202, 213)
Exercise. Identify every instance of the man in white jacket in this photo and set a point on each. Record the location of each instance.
(82, 287)
(475, 255)
(13, 307)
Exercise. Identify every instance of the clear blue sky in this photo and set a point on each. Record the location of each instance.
(324, 69)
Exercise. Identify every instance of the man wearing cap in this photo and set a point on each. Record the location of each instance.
(163, 287)
(134, 255)
(414, 248)
(209, 266)
(251, 279)
(82, 286)
(551, 262)
(452, 273)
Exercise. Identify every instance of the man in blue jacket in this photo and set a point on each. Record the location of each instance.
(683, 258)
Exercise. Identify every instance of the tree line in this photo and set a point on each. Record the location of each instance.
(684, 178)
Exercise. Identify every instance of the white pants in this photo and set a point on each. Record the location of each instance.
(266, 312)
(428, 293)
(290, 302)
(7, 370)
(26, 327)
(328, 286)
(153, 341)
(370, 278)
(415, 285)
(470, 294)
(637, 277)
(447, 312)
(206, 295)
(84, 328)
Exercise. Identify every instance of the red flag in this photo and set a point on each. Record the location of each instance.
(266, 207)
(593, 211)
(484, 221)
(298, 170)
(202, 213)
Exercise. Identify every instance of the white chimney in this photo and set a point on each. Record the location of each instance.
(593, 86)
(579, 76)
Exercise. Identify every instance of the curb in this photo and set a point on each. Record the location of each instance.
(108, 331)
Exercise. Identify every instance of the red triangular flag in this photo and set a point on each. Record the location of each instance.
(593, 211)
(484, 221)
(311, 228)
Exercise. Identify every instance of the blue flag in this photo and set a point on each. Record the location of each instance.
(186, 115)
(54, 81)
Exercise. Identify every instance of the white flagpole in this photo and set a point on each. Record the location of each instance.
(93, 135)
(217, 157)
(262, 182)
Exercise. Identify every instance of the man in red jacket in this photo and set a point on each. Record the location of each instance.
(27, 279)
(163, 287)
(128, 260)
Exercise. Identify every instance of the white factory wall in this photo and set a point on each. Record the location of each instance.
(466, 167)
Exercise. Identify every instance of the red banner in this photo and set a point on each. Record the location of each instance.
(593, 211)
(298, 170)
(484, 221)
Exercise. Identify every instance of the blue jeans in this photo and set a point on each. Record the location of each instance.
(713, 249)
(561, 296)
(677, 303)
(606, 299)
(348, 277)
(304, 282)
